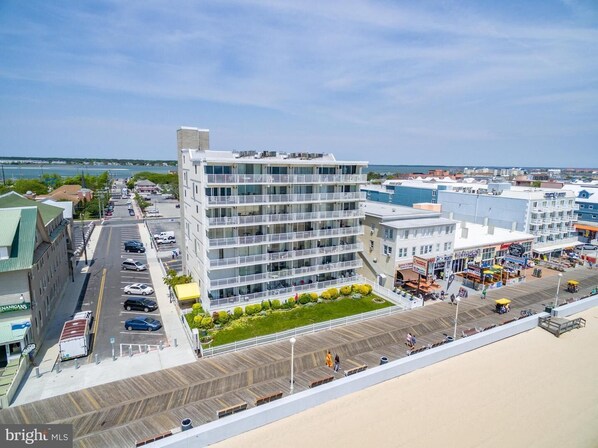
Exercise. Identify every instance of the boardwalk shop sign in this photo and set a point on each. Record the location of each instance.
(423, 266)
(516, 250)
(14, 307)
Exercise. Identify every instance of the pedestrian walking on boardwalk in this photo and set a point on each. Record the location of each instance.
(484, 291)
(409, 340)
(452, 298)
(329, 359)
(337, 362)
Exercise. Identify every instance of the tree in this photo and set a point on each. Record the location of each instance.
(373, 176)
(24, 185)
(172, 279)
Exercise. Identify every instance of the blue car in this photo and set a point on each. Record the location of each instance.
(143, 323)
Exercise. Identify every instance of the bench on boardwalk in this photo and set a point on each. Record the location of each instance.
(489, 327)
(268, 398)
(321, 381)
(153, 438)
(508, 321)
(469, 332)
(355, 370)
(417, 350)
(231, 410)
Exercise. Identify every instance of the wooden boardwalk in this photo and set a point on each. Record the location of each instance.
(122, 412)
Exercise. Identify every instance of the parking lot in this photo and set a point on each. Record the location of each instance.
(105, 296)
(169, 254)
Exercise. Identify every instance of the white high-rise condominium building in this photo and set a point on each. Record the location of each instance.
(266, 225)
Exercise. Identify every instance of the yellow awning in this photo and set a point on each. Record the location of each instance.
(188, 291)
(573, 282)
(503, 301)
(497, 266)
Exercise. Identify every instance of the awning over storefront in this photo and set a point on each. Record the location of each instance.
(586, 227)
(407, 274)
(188, 291)
(14, 330)
(553, 247)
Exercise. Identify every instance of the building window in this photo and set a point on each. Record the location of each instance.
(413, 249)
(371, 244)
(590, 206)
(437, 247)
(387, 250)
(388, 234)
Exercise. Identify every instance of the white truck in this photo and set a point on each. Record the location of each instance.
(74, 339)
(164, 234)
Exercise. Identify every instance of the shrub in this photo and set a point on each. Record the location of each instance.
(365, 289)
(222, 317)
(291, 302)
(346, 290)
(197, 320)
(355, 288)
(304, 298)
(257, 308)
(276, 304)
(237, 312)
(326, 295)
(197, 309)
(333, 293)
(266, 305)
(249, 310)
(207, 322)
(314, 297)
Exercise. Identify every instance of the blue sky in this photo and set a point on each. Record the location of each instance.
(511, 83)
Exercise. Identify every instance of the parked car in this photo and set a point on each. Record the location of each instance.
(140, 304)
(143, 323)
(132, 265)
(139, 288)
(131, 212)
(586, 247)
(166, 240)
(134, 246)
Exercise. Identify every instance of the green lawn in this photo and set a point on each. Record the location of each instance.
(281, 320)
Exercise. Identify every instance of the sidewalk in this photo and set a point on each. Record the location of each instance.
(69, 379)
(171, 321)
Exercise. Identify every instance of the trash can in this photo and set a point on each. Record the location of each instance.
(383, 360)
(548, 309)
(449, 339)
(186, 424)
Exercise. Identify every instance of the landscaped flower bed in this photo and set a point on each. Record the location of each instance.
(275, 316)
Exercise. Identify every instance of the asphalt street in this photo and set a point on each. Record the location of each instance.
(104, 294)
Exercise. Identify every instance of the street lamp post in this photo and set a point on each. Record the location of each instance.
(558, 286)
(292, 341)
(456, 317)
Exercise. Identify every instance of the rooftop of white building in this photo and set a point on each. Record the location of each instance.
(577, 188)
(268, 157)
(479, 235)
(391, 212)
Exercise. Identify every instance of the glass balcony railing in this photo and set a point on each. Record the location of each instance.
(227, 179)
(283, 293)
(284, 237)
(283, 274)
(282, 256)
(284, 198)
(283, 217)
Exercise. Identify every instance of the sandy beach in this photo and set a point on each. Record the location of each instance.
(531, 390)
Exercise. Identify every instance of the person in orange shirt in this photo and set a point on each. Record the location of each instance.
(329, 359)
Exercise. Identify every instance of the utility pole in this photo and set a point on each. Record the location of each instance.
(83, 231)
